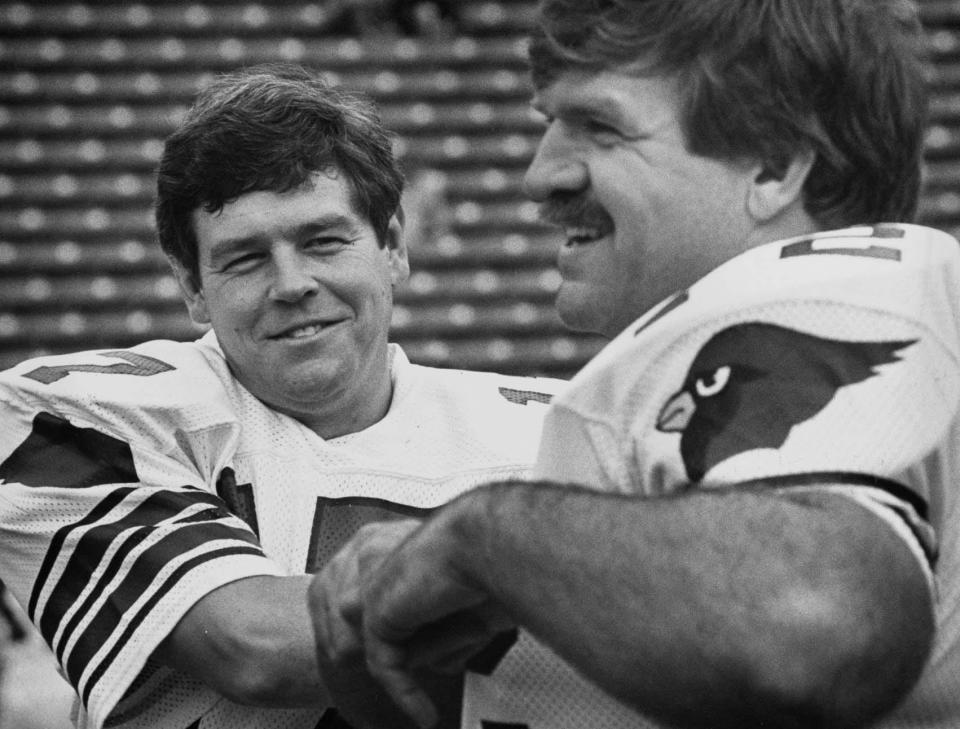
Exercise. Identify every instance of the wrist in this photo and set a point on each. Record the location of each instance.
(463, 527)
(477, 527)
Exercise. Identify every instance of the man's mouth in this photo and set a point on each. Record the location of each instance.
(304, 331)
(577, 236)
(583, 219)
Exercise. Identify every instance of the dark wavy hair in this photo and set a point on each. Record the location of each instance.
(765, 79)
(271, 128)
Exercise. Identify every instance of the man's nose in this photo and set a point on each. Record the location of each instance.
(555, 167)
(293, 277)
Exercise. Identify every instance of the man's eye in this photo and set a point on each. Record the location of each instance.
(602, 132)
(247, 260)
(325, 243)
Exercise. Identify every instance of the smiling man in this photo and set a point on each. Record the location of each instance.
(162, 507)
(747, 511)
(325, 364)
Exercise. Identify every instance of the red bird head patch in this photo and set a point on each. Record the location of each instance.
(750, 384)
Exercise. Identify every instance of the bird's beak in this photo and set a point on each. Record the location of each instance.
(676, 414)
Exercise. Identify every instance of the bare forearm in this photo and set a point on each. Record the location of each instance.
(741, 605)
(251, 640)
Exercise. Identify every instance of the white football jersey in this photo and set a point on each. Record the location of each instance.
(832, 358)
(133, 482)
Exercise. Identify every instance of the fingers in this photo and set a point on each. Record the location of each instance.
(447, 646)
(335, 592)
(388, 664)
(336, 607)
(336, 610)
(391, 597)
(332, 600)
(343, 636)
(415, 588)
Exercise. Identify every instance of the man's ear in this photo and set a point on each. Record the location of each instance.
(774, 191)
(192, 292)
(396, 248)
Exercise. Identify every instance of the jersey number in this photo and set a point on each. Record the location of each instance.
(335, 521)
(134, 364)
(824, 246)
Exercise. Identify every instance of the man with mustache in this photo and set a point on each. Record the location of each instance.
(747, 512)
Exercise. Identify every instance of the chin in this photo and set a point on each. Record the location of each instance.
(578, 315)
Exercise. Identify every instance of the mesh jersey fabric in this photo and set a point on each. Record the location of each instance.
(842, 352)
(133, 482)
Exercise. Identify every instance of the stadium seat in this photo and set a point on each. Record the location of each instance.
(88, 90)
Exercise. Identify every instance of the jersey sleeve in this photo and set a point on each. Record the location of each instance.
(110, 527)
(828, 362)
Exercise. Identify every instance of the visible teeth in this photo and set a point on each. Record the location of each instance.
(580, 235)
(305, 331)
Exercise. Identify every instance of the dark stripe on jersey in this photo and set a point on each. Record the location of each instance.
(61, 455)
(53, 551)
(336, 520)
(238, 497)
(805, 248)
(139, 577)
(218, 512)
(94, 545)
(484, 724)
(486, 661)
(676, 300)
(522, 397)
(137, 620)
(894, 488)
(136, 364)
(888, 230)
(331, 719)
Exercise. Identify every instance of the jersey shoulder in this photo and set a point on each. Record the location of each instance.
(906, 271)
(147, 393)
(884, 282)
(816, 333)
(463, 415)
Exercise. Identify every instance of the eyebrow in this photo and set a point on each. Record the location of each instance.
(588, 106)
(320, 223)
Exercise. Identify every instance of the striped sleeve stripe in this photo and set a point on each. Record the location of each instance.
(56, 544)
(136, 578)
(86, 685)
(98, 587)
(83, 570)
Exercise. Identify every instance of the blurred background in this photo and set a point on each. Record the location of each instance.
(88, 91)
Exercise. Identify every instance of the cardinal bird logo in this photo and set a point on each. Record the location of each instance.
(750, 384)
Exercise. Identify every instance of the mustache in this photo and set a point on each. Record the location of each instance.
(572, 209)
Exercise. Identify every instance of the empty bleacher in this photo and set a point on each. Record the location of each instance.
(89, 90)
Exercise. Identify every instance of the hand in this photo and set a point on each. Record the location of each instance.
(335, 607)
(420, 610)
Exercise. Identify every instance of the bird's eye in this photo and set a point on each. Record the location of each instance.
(714, 383)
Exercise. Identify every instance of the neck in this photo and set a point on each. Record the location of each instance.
(352, 415)
(793, 222)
